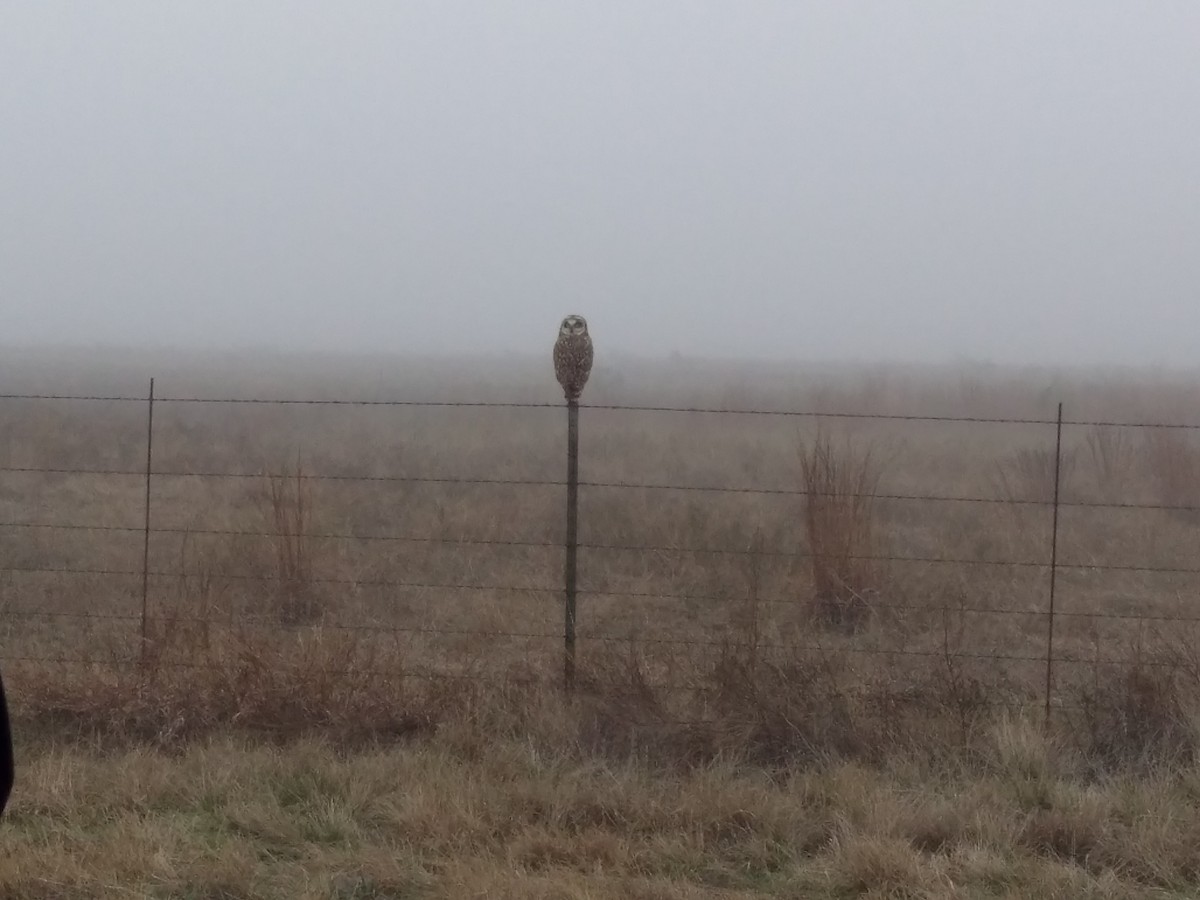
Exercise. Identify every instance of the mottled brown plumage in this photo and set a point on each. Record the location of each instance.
(573, 356)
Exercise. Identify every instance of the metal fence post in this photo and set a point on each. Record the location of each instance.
(1053, 566)
(146, 535)
(572, 545)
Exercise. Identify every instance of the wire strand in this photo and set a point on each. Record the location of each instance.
(618, 485)
(612, 407)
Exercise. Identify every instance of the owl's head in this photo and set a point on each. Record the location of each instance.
(573, 325)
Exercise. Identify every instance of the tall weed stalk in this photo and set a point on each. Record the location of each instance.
(841, 522)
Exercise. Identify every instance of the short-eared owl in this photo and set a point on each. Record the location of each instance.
(573, 356)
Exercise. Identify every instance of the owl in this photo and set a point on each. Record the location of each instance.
(573, 356)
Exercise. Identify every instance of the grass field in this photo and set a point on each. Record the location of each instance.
(465, 814)
(819, 683)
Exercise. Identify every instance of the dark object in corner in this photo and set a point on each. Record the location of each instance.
(6, 751)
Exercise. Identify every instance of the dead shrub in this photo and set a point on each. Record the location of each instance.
(203, 604)
(1134, 714)
(197, 681)
(841, 523)
(1112, 456)
(746, 616)
(623, 680)
(955, 689)
(621, 713)
(287, 504)
(775, 711)
(1027, 476)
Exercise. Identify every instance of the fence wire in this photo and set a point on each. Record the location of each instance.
(17, 597)
(612, 407)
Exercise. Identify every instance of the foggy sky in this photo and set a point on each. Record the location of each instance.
(893, 181)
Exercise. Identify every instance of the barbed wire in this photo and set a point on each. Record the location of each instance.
(82, 397)
(503, 542)
(558, 545)
(136, 662)
(50, 470)
(705, 638)
(534, 544)
(71, 570)
(619, 485)
(616, 407)
(381, 627)
(159, 661)
(246, 576)
(732, 597)
(280, 625)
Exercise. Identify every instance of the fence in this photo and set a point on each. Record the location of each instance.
(1020, 554)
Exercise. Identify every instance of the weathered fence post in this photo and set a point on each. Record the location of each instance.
(1053, 566)
(570, 572)
(146, 535)
(572, 366)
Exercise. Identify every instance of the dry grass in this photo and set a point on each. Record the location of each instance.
(1028, 475)
(464, 814)
(288, 501)
(842, 527)
(380, 716)
(1174, 464)
(1112, 455)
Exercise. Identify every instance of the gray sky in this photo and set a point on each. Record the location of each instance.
(1017, 181)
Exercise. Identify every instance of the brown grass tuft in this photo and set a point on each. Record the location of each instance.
(200, 678)
(841, 524)
(1136, 715)
(1112, 455)
(1027, 475)
(288, 514)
